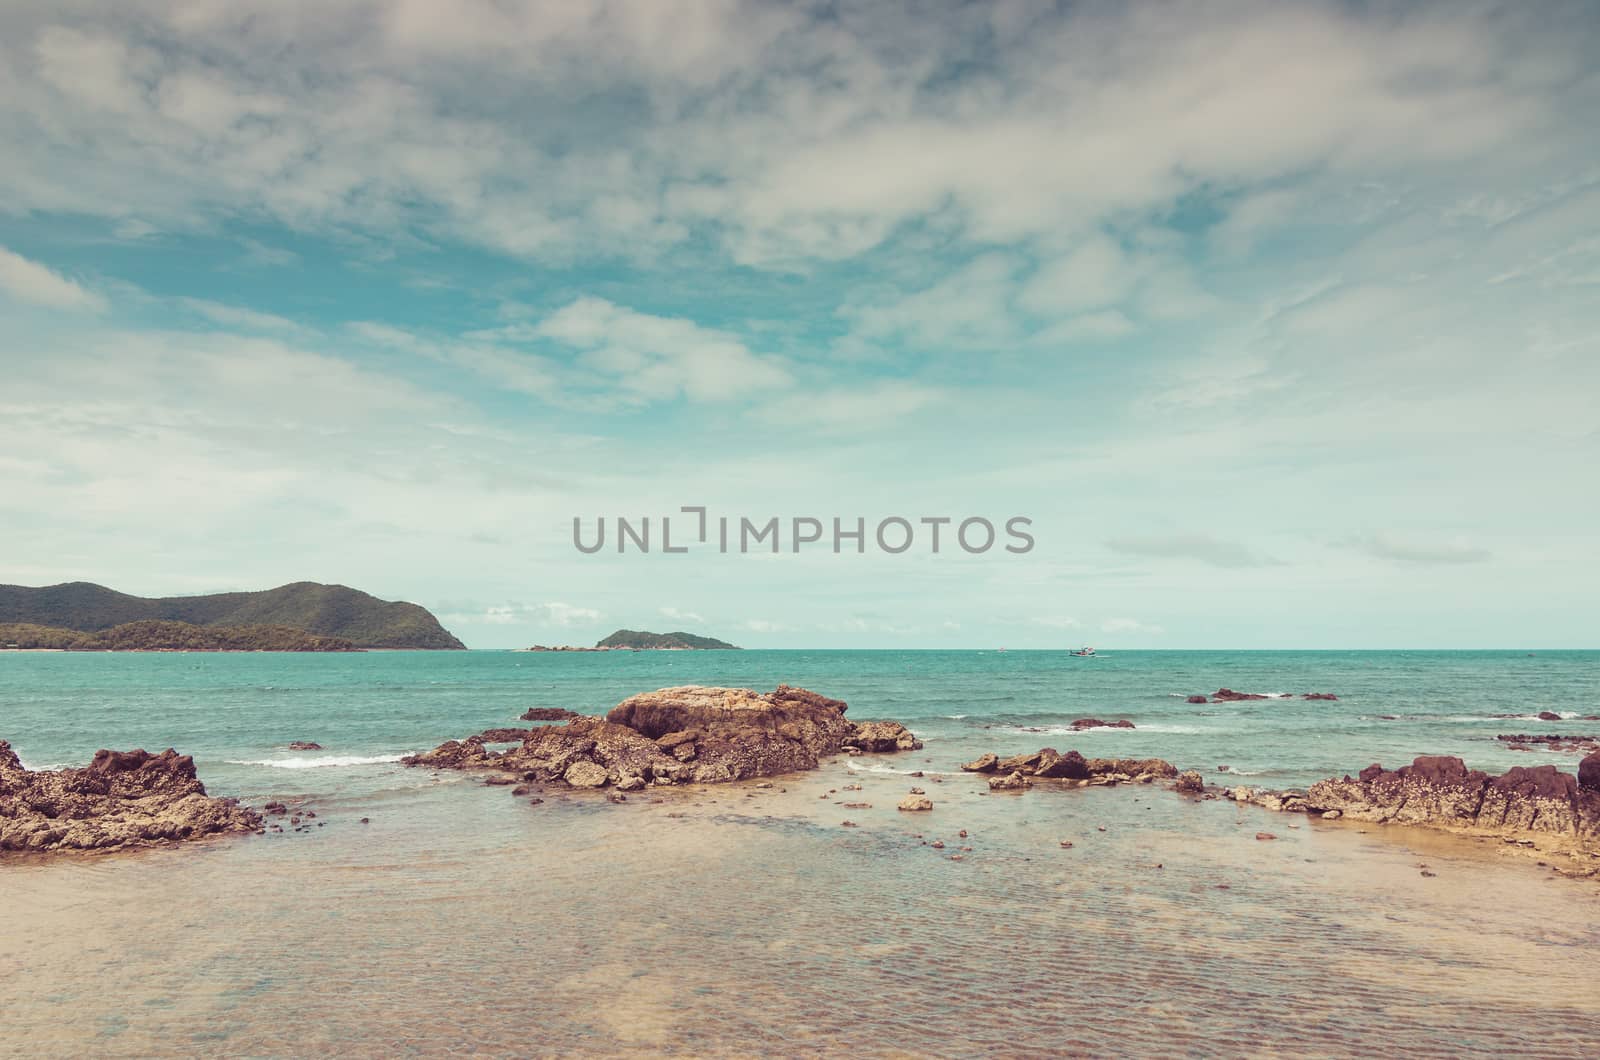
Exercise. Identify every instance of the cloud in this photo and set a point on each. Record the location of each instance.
(554, 613)
(1130, 625)
(1420, 551)
(1202, 548)
(681, 616)
(654, 358)
(784, 134)
(231, 316)
(1058, 622)
(28, 281)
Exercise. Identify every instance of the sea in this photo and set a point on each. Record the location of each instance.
(745, 919)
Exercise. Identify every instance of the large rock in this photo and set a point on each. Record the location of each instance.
(1441, 792)
(676, 735)
(882, 736)
(121, 799)
(1010, 782)
(1589, 773)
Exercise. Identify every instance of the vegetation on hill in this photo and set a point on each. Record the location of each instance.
(323, 610)
(634, 638)
(160, 635)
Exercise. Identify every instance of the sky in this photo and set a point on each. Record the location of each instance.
(1279, 322)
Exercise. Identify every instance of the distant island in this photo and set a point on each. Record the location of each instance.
(641, 640)
(290, 616)
(154, 634)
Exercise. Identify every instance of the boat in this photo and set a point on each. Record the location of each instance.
(1083, 653)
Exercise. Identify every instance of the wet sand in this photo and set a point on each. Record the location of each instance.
(740, 919)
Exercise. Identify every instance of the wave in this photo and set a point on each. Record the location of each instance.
(318, 762)
(1068, 730)
(850, 765)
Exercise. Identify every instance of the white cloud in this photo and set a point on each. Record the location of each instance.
(1203, 548)
(681, 616)
(232, 316)
(1424, 551)
(28, 281)
(656, 358)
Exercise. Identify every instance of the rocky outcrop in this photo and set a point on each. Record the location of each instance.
(1589, 773)
(1552, 741)
(121, 799)
(1228, 695)
(690, 734)
(915, 804)
(1049, 764)
(549, 714)
(1438, 791)
(880, 736)
(1095, 723)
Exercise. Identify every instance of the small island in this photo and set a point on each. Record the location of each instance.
(641, 640)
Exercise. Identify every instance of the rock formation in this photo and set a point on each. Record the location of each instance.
(1438, 791)
(1095, 723)
(1049, 764)
(690, 734)
(121, 799)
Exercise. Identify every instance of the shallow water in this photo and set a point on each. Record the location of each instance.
(743, 919)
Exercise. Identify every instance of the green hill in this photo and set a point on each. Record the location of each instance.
(154, 634)
(324, 610)
(634, 638)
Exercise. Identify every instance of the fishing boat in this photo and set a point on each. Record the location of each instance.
(1083, 653)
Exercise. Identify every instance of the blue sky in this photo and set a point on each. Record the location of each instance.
(1280, 321)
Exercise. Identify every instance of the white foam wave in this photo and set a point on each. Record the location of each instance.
(1068, 730)
(319, 762)
(878, 768)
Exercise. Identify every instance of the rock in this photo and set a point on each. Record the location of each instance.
(305, 745)
(522, 789)
(501, 735)
(630, 783)
(690, 734)
(1013, 781)
(1331, 815)
(1095, 723)
(918, 791)
(984, 763)
(1589, 773)
(915, 803)
(676, 739)
(549, 714)
(585, 775)
(1549, 715)
(121, 799)
(499, 781)
(1263, 836)
(1069, 766)
(1320, 695)
(1228, 695)
(1197, 699)
(1441, 792)
(1190, 782)
(882, 736)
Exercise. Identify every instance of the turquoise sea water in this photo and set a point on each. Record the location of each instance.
(237, 712)
(741, 920)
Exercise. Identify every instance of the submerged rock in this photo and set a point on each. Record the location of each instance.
(1010, 782)
(121, 799)
(1095, 723)
(984, 763)
(549, 714)
(690, 734)
(305, 745)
